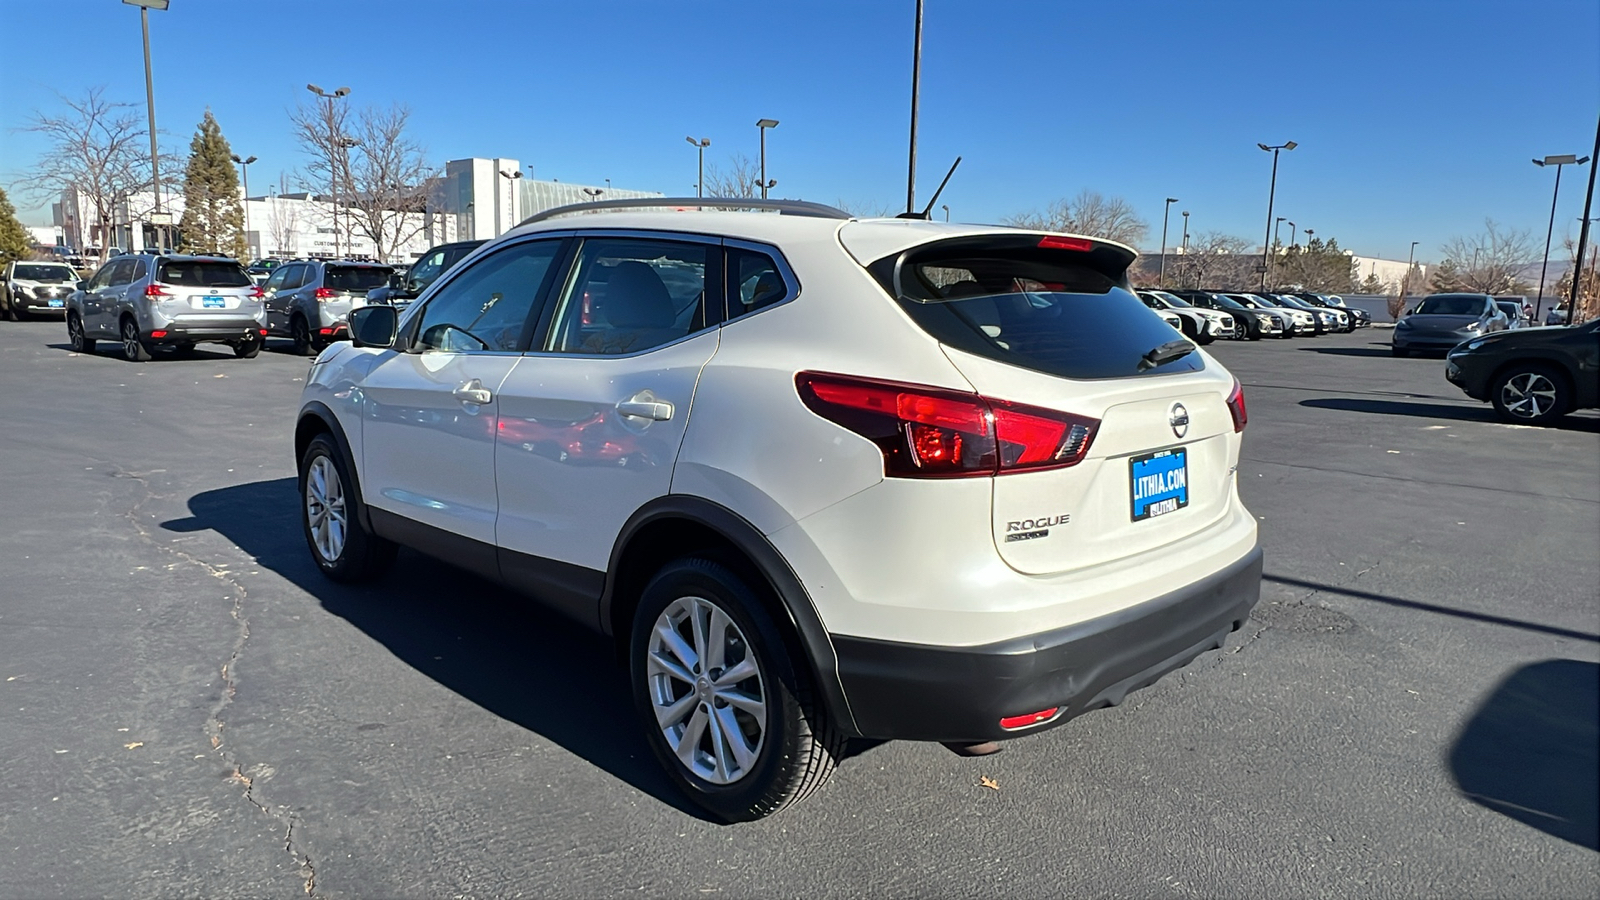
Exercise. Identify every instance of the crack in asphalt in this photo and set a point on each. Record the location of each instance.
(214, 721)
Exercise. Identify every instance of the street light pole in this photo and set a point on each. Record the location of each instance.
(1186, 232)
(333, 162)
(1291, 234)
(1406, 278)
(1557, 161)
(150, 103)
(1161, 279)
(1583, 235)
(1272, 193)
(916, 81)
(512, 177)
(244, 167)
(946, 208)
(1277, 230)
(700, 180)
(762, 125)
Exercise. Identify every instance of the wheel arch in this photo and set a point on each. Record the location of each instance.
(681, 525)
(1547, 362)
(316, 419)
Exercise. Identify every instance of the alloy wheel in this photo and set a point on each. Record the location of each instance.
(706, 690)
(1528, 395)
(325, 509)
(75, 332)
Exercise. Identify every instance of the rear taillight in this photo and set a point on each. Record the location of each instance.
(325, 294)
(927, 432)
(1236, 406)
(257, 293)
(156, 290)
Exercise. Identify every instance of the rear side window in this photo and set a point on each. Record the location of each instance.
(206, 273)
(1062, 312)
(357, 279)
(754, 282)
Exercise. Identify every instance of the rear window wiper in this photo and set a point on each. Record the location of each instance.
(1168, 352)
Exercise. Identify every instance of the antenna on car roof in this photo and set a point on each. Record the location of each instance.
(927, 211)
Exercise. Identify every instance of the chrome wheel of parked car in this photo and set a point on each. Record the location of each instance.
(325, 509)
(707, 690)
(133, 349)
(1530, 395)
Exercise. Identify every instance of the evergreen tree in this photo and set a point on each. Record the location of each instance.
(213, 217)
(15, 242)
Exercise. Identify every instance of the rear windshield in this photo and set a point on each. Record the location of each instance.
(51, 274)
(356, 278)
(1049, 310)
(203, 273)
(1451, 305)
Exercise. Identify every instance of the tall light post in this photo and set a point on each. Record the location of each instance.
(916, 81)
(150, 100)
(244, 168)
(1272, 193)
(946, 208)
(1185, 232)
(762, 125)
(1583, 234)
(511, 177)
(1161, 279)
(700, 180)
(1277, 229)
(1309, 232)
(1291, 233)
(1557, 161)
(1406, 278)
(333, 161)
(593, 194)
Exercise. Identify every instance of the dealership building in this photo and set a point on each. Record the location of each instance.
(473, 199)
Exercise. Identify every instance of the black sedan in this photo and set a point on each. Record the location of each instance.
(1442, 321)
(1533, 376)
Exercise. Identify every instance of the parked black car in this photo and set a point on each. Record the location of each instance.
(402, 289)
(1442, 321)
(1249, 323)
(1533, 376)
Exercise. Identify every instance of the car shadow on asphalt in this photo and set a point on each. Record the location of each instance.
(1530, 750)
(1377, 349)
(1483, 413)
(476, 638)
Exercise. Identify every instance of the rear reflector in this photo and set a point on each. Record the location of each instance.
(1057, 242)
(325, 331)
(263, 331)
(158, 334)
(1236, 406)
(928, 432)
(1043, 715)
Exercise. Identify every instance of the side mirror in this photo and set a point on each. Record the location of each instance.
(374, 326)
(397, 282)
(83, 285)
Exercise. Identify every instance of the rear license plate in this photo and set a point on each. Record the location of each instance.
(57, 304)
(213, 303)
(1159, 482)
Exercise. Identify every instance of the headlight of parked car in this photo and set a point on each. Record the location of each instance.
(1263, 318)
(1403, 323)
(1469, 345)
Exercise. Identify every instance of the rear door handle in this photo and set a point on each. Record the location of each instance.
(473, 392)
(644, 405)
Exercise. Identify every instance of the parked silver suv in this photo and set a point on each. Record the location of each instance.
(29, 288)
(147, 301)
(309, 301)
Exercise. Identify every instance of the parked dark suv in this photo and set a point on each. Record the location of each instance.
(402, 289)
(1533, 376)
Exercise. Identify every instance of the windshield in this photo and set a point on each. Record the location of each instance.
(203, 273)
(1172, 299)
(1251, 302)
(1226, 302)
(1048, 310)
(46, 273)
(353, 278)
(1450, 305)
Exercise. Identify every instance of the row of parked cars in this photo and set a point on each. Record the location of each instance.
(1205, 316)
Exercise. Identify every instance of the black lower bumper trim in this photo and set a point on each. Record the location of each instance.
(931, 693)
(182, 335)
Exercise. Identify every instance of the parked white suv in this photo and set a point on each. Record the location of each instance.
(820, 477)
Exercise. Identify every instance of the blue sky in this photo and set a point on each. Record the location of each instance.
(1415, 119)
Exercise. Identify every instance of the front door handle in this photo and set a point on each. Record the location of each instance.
(473, 392)
(645, 405)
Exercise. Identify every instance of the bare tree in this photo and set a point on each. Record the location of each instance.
(387, 180)
(320, 130)
(1214, 260)
(283, 226)
(867, 209)
(99, 148)
(1490, 262)
(1588, 288)
(1090, 213)
(740, 178)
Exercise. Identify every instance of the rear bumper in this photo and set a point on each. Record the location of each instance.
(932, 693)
(198, 332)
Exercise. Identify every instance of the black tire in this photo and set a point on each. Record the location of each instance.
(361, 555)
(247, 349)
(1253, 331)
(1397, 350)
(9, 312)
(81, 343)
(300, 331)
(1531, 394)
(798, 746)
(133, 346)
(1204, 339)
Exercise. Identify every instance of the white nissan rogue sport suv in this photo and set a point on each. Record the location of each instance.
(819, 477)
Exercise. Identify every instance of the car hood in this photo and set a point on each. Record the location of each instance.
(1436, 322)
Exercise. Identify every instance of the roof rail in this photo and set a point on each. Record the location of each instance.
(782, 207)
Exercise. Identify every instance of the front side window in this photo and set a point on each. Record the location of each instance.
(630, 295)
(490, 305)
(102, 278)
(426, 270)
(123, 271)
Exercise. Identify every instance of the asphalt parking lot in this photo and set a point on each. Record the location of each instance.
(187, 707)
